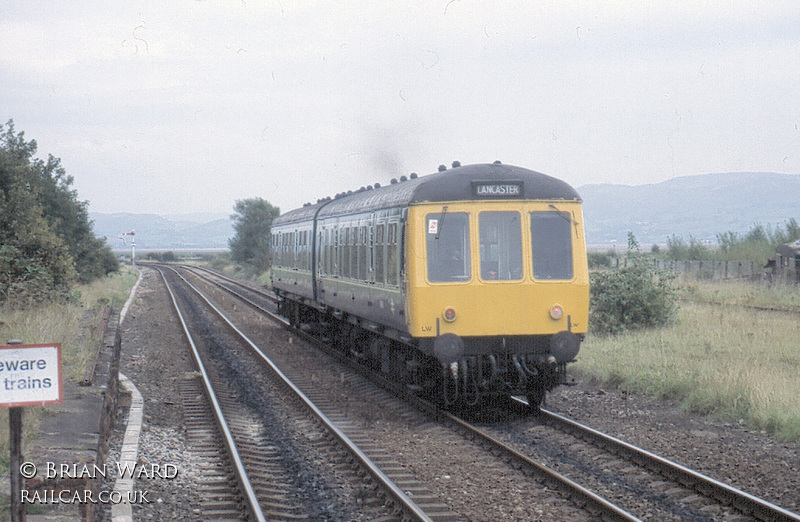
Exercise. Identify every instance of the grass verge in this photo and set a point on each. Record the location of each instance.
(718, 358)
(74, 325)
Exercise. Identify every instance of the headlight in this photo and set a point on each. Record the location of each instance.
(556, 312)
(449, 314)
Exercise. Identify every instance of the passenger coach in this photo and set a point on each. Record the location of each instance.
(471, 282)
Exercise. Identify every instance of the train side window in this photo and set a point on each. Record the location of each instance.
(298, 249)
(329, 252)
(353, 274)
(362, 253)
(379, 253)
(325, 250)
(335, 266)
(301, 250)
(306, 250)
(321, 252)
(500, 246)
(345, 252)
(351, 240)
(447, 247)
(551, 242)
(292, 261)
(392, 263)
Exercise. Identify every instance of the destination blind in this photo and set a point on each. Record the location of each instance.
(497, 189)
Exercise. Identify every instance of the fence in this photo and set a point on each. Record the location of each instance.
(707, 270)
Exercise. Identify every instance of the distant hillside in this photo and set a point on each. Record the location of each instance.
(691, 206)
(167, 232)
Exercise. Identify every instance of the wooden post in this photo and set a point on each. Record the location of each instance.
(15, 434)
(15, 448)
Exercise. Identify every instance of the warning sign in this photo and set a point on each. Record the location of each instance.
(30, 375)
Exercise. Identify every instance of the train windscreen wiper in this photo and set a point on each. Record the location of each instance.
(441, 221)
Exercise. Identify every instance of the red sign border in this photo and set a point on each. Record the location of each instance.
(57, 346)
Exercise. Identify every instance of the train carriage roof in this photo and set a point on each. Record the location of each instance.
(455, 184)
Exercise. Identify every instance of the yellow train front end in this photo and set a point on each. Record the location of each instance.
(498, 291)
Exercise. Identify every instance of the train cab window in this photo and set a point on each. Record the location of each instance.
(551, 241)
(447, 247)
(500, 246)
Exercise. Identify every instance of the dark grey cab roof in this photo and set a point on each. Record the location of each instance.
(454, 184)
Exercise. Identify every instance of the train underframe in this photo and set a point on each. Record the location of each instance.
(488, 373)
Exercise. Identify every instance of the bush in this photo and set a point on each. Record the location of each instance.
(165, 257)
(601, 260)
(630, 298)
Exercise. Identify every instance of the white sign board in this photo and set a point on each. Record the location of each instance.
(30, 375)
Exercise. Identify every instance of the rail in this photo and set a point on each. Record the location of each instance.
(241, 473)
(408, 506)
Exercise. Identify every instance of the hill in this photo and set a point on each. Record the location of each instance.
(699, 206)
(164, 232)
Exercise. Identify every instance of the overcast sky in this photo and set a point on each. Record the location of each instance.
(186, 106)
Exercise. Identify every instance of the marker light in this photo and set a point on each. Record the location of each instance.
(556, 311)
(449, 314)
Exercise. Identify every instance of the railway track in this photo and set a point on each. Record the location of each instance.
(263, 474)
(693, 481)
(639, 481)
(680, 493)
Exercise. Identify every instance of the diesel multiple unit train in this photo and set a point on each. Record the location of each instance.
(468, 284)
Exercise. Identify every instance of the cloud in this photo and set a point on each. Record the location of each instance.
(192, 105)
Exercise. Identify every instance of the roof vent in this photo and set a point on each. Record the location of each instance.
(377, 185)
(456, 164)
(413, 175)
(403, 178)
(394, 181)
(497, 162)
(442, 168)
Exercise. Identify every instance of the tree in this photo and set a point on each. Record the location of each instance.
(46, 238)
(35, 264)
(252, 223)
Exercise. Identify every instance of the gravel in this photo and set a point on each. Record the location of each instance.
(154, 358)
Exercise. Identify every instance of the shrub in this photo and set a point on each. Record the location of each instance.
(630, 298)
(601, 260)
